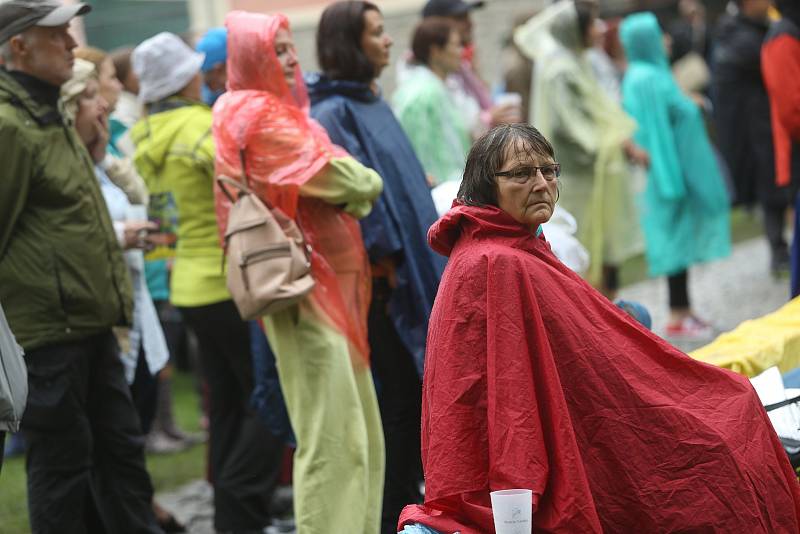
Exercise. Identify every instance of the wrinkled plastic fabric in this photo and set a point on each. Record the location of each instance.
(535, 380)
(363, 124)
(284, 149)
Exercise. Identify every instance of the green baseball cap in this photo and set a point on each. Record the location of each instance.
(16, 16)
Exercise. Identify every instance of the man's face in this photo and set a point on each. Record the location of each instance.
(45, 53)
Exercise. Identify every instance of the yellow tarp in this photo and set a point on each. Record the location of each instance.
(756, 345)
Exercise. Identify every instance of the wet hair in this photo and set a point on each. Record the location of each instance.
(587, 12)
(430, 32)
(339, 32)
(487, 157)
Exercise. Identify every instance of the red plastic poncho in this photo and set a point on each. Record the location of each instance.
(284, 149)
(535, 380)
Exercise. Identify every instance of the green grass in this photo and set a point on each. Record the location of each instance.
(173, 470)
(167, 471)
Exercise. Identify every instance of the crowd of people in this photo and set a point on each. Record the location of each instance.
(445, 339)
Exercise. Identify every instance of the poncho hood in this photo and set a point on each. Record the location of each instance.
(252, 61)
(643, 41)
(557, 24)
(475, 222)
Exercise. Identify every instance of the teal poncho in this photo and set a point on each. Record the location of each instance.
(587, 130)
(685, 208)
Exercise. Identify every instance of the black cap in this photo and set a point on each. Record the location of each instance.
(16, 16)
(449, 8)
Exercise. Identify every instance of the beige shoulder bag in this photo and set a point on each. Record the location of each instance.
(269, 262)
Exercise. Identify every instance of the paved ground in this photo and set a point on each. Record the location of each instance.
(725, 293)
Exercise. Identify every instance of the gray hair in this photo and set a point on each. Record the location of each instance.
(6, 54)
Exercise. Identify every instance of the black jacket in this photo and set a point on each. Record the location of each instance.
(741, 111)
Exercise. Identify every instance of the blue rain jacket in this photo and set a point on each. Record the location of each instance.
(362, 123)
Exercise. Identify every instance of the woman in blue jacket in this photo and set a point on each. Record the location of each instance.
(353, 49)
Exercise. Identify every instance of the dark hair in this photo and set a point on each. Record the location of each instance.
(587, 13)
(339, 42)
(122, 62)
(487, 156)
(430, 32)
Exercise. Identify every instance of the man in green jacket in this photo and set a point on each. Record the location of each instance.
(64, 285)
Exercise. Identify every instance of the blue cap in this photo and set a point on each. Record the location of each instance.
(215, 46)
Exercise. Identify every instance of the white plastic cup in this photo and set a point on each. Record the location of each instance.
(513, 511)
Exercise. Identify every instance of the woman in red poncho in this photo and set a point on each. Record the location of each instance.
(535, 380)
(321, 344)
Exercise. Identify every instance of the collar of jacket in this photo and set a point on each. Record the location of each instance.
(22, 96)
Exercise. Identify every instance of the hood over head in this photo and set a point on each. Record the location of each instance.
(643, 40)
(556, 25)
(252, 61)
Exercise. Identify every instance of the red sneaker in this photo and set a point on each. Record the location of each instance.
(690, 328)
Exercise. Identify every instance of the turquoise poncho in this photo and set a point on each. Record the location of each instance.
(685, 209)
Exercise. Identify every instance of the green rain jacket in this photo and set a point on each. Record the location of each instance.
(62, 274)
(175, 156)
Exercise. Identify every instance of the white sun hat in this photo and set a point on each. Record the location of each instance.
(164, 65)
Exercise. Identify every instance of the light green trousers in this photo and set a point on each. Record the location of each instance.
(339, 462)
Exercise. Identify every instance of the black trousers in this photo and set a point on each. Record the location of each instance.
(84, 445)
(678, 285)
(2, 449)
(144, 392)
(244, 457)
(400, 398)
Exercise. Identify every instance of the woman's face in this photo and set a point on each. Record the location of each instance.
(525, 193)
(110, 86)
(375, 42)
(448, 58)
(287, 57)
(92, 108)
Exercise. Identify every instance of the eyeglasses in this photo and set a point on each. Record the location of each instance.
(521, 175)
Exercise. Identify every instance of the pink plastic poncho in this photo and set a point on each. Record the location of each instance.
(285, 148)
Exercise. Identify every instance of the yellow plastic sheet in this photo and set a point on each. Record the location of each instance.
(756, 345)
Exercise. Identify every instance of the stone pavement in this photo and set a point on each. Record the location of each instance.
(724, 292)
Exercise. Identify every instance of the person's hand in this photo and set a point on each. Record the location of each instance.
(636, 154)
(137, 234)
(505, 114)
(97, 149)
